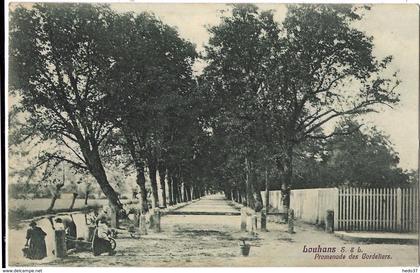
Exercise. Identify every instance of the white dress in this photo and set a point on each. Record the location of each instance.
(103, 231)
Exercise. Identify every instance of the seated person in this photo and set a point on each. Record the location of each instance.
(101, 242)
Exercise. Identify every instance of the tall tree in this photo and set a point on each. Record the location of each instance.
(283, 83)
(237, 54)
(151, 77)
(58, 62)
(325, 70)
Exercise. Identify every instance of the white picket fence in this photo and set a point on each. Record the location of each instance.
(356, 209)
(378, 209)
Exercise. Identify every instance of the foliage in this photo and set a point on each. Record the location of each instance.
(152, 82)
(30, 190)
(58, 62)
(277, 86)
(115, 96)
(364, 159)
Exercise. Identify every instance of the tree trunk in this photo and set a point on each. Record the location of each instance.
(106, 188)
(152, 165)
(162, 174)
(90, 152)
(170, 190)
(180, 196)
(184, 192)
(243, 198)
(97, 170)
(86, 198)
(140, 176)
(141, 182)
(257, 189)
(52, 203)
(267, 192)
(73, 200)
(286, 170)
(228, 195)
(192, 193)
(197, 192)
(250, 200)
(55, 195)
(188, 193)
(175, 190)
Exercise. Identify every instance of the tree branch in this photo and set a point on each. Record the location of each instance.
(354, 110)
(61, 158)
(348, 132)
(76, 153)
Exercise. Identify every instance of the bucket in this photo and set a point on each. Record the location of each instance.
(245, 249)
(25, 251)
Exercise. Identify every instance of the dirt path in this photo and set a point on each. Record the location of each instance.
(212, 240)
(209, 205)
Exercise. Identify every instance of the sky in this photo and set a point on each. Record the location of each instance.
(395, 31)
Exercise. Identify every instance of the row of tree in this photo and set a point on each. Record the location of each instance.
(107, 89)
(116, 90)
(276, 87)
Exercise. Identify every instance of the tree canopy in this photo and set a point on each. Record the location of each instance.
(366, 158)
(278, 85)
(114, 95)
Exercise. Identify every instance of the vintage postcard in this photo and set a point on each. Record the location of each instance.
(212, 135)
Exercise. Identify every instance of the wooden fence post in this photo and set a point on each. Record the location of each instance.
(254, 224)
(336, 206)
(157, 220)
(399, 203)
(329, 221)
(142, 224)
(263, 220)
(291, 219)
(243, 218)
(151, 216)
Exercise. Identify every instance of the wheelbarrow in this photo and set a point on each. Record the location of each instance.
(82, 244)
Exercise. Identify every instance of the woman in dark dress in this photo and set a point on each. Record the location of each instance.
(35, 237)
